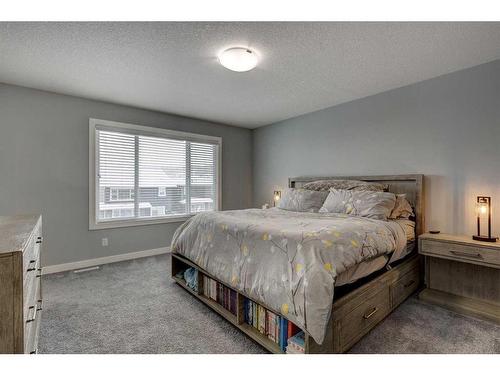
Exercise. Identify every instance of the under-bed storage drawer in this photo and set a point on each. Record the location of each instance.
(361, 319)
(405, 286)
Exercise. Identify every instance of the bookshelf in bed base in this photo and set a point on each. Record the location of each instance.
(354, 314)
(180, 263)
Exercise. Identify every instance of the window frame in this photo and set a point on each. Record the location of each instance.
(94, 124)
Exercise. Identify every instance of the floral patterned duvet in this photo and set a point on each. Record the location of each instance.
(286, 260)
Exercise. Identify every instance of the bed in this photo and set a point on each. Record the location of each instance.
(335, 276)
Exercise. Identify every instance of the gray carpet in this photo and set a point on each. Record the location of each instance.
(134, 307)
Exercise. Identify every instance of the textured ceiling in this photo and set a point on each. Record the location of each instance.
(172, 67)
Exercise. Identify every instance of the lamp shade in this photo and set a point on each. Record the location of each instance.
(277, 195)
(483, 211)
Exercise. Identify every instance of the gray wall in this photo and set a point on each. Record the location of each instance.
(447, 128)
(44, 168)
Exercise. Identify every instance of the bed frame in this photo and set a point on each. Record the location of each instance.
(357, 308)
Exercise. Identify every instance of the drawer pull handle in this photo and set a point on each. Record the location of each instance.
(368, 316)
(39, 239)
(40, 305)
(31, 266)
(467, 255)
(39, 273)
(33, 317)
(409, 283)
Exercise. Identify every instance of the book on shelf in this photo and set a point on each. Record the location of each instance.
(271, 324)
(292, 329)
(262, 319)
(296, 344)
(254, 315)
(220, 293)
(283, 333)
(275, 327)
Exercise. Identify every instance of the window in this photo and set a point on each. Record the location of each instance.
(141, 175)
(116, 194)
(162, 191)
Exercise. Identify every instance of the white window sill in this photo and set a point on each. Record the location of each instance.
(137, 222)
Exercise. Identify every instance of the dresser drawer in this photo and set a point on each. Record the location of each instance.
(32, 294)
(405, 286)
(359, 321)
(32, 330)
(32, 342)
(463, 253)
(31, 276)
(31, 257)
(32, 321)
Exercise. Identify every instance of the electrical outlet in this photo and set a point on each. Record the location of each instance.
(104, 241)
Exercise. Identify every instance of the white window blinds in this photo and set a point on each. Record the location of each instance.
(140, 175)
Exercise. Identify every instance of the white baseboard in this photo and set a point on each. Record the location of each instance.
(103, 260)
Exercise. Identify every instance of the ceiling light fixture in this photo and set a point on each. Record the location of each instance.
(238, 59)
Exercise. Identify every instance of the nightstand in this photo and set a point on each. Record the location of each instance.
(462, 274)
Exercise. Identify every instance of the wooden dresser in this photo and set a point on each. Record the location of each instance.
(20, 283)
(462, 274)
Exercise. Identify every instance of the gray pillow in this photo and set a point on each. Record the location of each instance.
(373, 204)
(302, 200)
(326, 185)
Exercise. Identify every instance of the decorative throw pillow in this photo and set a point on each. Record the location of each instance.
(325, 185)
(302, 200)
(402, 208)
(372, 204)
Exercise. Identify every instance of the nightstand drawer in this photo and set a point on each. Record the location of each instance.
(462, 253)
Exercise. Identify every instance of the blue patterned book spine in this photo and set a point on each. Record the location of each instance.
(283, 333)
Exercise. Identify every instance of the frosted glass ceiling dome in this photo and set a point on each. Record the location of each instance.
(238, 59)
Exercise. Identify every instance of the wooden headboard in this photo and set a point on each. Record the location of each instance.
(409, 184)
